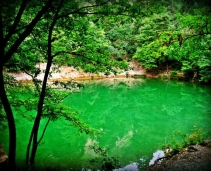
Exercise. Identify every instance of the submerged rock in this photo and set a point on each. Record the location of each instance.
(3, 155)
(206, 143)
(3, 158)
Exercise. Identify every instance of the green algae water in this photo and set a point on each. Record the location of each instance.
(136, 116)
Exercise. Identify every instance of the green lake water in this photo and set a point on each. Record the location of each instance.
(137, 117)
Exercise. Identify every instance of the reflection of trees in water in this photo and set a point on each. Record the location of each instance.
(125, 140)
(93, 98)
(136, 120)
(171, 110)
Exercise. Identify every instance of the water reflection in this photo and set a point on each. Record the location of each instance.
(125, 140)
(134, 166)
(129, 167)
(156, 155)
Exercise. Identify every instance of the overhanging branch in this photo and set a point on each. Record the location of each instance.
(84, 56)
(46, 125)
(27, 31)
(16, 22)
(195, 35)
(73, 53)
(93, 6)
(78, 11)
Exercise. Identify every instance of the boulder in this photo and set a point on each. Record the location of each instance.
(3, 155)
(206, 143)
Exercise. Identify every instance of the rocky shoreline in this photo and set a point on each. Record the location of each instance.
(192, 158)
(66, 73)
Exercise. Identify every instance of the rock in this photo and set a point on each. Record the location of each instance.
(3, 155)
(3, 158)
(206, 143)
(197, 159)
(192, 149)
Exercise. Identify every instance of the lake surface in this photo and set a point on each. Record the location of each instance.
(137, 117)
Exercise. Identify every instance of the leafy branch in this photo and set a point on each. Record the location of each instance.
(195, 35)
(26, 32)
(78, 11)
(46, 125)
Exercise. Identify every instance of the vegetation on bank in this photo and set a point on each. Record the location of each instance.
(179, 139)
(96, 36)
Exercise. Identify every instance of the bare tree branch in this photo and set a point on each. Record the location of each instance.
(93, 6)
(46, 125)
(1, 37)
(16, 22)
(70, 53)
(195, 35)
(78, 11)
(28, 30)
(87, 58)
(207, 26)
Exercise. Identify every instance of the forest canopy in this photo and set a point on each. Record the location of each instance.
(173, 35)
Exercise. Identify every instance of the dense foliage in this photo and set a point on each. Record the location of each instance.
(161, 36)
(177, 39)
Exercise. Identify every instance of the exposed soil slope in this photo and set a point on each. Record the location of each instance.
(66, 73)
(194, 158)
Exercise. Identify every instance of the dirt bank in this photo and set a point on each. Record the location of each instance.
(66, 73)
(193, 158)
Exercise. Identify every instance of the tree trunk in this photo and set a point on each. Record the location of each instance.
(4, 57)
(11, 124)
(42, 95)
(35, 134)
(26, 32)
(39, 114)
(6, 104)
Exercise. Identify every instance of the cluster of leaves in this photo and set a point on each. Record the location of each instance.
(181, 140)
(24, 99)
(153, 34)
(13, 86)
(195, 53)
(103, 161)
(177, 39)
(121, 37)
(3, 118)
(54, 112)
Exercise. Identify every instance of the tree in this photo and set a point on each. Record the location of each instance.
(7, 50)
(168, 37)
(155, 35)
(21, 30)
(89, 56)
